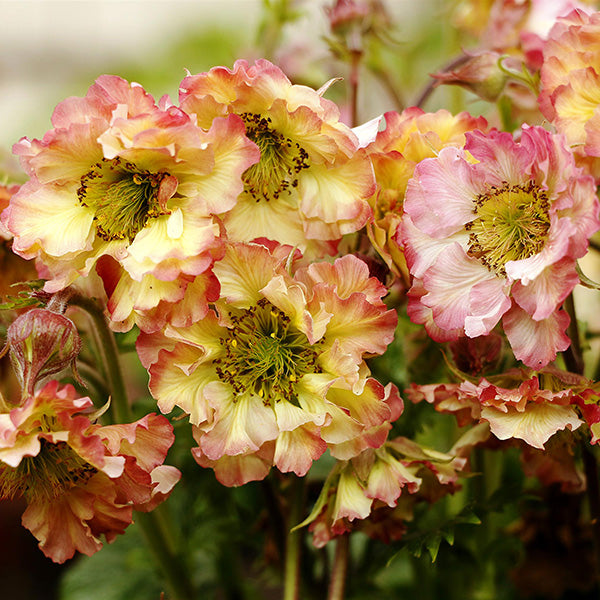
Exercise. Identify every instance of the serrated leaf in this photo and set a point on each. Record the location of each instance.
(432, 543)
(415, 547)
(448, 535)
(469, 518)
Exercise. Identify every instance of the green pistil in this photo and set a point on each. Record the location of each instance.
(511, 223)
(46, 476)
(122, 196)
(281, 160)
(265, 355)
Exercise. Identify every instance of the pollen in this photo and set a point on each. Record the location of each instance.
(269, 355)
(281, 161)
(122, 196)
(511, 223)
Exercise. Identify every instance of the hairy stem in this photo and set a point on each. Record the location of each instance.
(108, 352)
(337, 582)
(294, 541)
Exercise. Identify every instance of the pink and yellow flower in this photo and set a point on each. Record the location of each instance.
(408, 138)
(80, 480)
(570, 84)
(525, 412)
(312, 182)
(498, 239)
(510, 26)
(276, 375)
(124, 181)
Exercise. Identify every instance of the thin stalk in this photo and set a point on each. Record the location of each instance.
(154, 525)
(573, 355)
(456, 62)
(294, 541)
(355, 58)
(171, 566)
(337, 582)
(276, 517)
(109, 358)
(384, 77)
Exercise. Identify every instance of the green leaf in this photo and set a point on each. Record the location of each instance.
(433, 545)
(321, 500)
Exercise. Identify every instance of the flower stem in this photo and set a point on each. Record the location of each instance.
(154, 525)
(173, 569)
(337, 582)
(294, 541)
(355, 60)
(109, 358)
(573, 355)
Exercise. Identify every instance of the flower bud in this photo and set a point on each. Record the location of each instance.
(41, 343)
(345, 14)
(479, 73)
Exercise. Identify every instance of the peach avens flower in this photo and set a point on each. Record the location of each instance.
(498, 239)
(123, 180)
(277, 374)
(312, 182)
(80, 480)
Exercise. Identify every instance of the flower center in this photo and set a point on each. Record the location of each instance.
(54, 470)
(265, 355)
(281, 160)
(124, 197)
(512, 223)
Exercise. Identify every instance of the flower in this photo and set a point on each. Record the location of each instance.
(13, 268)
(123, 181)
(80, 480)
(570, 84)
(514, 26)
(498, 239)
(375, 491)
(312, 182)
(277, 374)
(525, 411)
(408, 138)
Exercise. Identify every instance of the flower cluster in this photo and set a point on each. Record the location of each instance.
(228, 227)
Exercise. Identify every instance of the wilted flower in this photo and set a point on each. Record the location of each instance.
(380, 486)
(80, 480)
(312, 182)
(526, 411)
(277, 374)
(498, 239)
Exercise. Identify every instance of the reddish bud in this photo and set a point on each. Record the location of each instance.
(41, 343)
